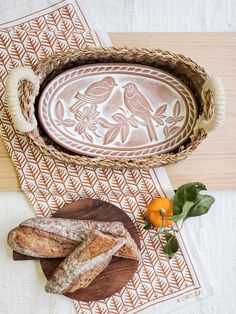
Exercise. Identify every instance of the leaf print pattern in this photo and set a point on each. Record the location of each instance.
(50, 184)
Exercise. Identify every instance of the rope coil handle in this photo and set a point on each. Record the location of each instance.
(15, 76)
(212, 85)
(214, 89)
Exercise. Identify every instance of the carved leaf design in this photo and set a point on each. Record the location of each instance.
(133, 123)
(159, 114)
(112, 133)
(119, 117)
(124, 132)
(104, 123)
(68, 122)
(180, 118)
(170, 131)
(60, 112)
(173, 130)
(166, 131)
(58, 122)
(176, 110)
(161, 110)
(88, 136)
(176, 114)
(170, 120)
(159, 119)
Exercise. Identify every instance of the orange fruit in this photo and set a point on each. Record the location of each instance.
(158, 209)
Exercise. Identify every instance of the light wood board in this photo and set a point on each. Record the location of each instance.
(214, 162)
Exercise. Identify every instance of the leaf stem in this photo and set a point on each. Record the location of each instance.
(160, 229)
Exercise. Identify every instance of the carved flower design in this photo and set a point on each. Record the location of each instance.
(87, 119)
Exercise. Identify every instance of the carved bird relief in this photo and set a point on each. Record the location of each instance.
(140, 107)
(95, 94)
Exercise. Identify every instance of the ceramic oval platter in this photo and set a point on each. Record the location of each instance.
(117, 110)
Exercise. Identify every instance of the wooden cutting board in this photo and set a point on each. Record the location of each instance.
(119, 271)
(214, 160)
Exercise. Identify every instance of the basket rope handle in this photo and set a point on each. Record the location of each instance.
(213, 96)
(19, 120)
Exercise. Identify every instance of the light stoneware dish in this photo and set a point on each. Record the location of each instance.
(117, 110)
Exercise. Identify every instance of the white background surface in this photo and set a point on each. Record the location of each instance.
(22, 284)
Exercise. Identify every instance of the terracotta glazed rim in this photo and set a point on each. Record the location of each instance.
(183, 68)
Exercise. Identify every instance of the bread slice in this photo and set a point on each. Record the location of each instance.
(39, 243)
(130, 249)
(85, 263)
(76, 230)
(84, 280)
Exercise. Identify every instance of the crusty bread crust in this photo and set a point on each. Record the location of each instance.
(38, 243)
(85, 263)
(77, 229)
(74, 229)
(85, 279)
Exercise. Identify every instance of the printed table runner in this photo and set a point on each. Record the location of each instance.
(159, 284)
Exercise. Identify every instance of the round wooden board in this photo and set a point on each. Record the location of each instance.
(119, 271)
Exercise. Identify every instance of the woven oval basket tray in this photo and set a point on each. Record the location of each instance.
(25, 87)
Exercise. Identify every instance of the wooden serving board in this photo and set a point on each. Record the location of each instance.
(214, 160)
(119, 271)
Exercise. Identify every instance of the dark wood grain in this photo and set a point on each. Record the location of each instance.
(21, 257)
(118, 272)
